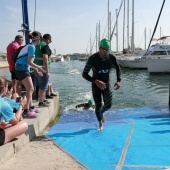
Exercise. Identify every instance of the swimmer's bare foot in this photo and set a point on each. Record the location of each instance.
(100, 126)
(103, 119)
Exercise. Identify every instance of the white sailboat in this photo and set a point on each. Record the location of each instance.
(158, 61)
(59, 58)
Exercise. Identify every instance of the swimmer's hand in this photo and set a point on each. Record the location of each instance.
(100, 84)
(117, 85)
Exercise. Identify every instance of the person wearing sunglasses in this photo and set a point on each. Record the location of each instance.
(43, 59)
(101, 63)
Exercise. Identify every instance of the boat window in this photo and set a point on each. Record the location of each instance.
(168, 52)
(159, 53)
(147, 53)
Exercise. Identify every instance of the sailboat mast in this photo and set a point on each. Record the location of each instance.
(110, 27)
(99, 35)
(128, 25)
(96, 37)
(117, 30)
(25, 24)
(108, 22)
(111, 36)
(90, 45)
(145, 38)
(124, 27)
(132, 38)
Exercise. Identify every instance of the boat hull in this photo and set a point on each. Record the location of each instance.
(133, 63)
(158, 65)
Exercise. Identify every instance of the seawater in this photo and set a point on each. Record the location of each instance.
(138, 88)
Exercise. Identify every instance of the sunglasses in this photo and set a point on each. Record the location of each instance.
(105, 50)
(50, 40)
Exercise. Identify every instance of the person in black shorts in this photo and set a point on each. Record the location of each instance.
(101, 63)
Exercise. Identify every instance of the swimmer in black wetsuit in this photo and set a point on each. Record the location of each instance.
(86, 106)
(101, 64)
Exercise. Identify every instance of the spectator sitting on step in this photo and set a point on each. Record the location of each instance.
(10, 125)
(49, 92)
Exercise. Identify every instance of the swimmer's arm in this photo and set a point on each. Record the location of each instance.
(80, 105)
(87, 69)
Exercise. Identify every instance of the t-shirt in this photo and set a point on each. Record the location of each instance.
(41, 49)
(46, 50)
(22, 63)
(101, 68)
(6, 111)
(10, 49)
(12, 102)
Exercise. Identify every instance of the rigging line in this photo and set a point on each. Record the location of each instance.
(156, 24)
(35, 13)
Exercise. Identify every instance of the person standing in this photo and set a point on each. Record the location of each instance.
(10, 49)
(22, 71)
(101, 64)
(43, 58)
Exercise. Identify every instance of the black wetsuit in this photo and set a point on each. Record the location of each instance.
(101, 68)
(85, 106)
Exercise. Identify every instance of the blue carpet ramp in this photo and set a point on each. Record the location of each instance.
(134, 138)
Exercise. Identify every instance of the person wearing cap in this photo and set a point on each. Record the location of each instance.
(87, 106)
(22, 71)
(101, 63)
(43, 58)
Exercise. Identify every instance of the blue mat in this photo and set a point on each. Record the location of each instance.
(149, 139)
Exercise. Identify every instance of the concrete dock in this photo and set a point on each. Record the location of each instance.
(36, 127)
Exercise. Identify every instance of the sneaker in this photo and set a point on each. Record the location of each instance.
(52, 94)
(47, 102)
(29, 115)
(35, 110)
(49, 97)
(43, 104)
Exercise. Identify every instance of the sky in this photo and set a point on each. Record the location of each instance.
(70, 22)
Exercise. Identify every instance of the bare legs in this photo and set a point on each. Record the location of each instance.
(17, 87)
(12, 132)
(41, 94)
(14, 84)
(27, 82)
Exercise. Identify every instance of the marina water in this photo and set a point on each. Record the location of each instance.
(138, 88)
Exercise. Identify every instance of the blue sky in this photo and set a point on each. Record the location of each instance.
(70, 22)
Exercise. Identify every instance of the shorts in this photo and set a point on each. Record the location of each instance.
(41, 81)
(2, 136)
(35, 79)
(21, 75)
(13, 76)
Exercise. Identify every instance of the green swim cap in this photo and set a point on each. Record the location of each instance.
(90, 101)
(105, 43)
